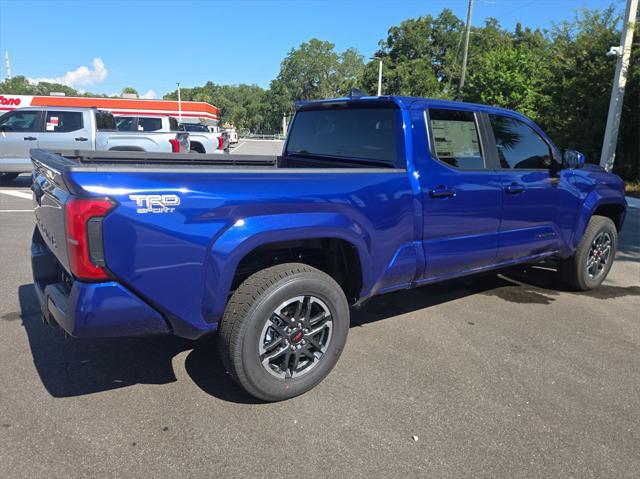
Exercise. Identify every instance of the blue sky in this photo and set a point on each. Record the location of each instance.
(150, 45)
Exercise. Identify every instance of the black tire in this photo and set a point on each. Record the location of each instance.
(6, 177)
(574, 271)
(245, 319)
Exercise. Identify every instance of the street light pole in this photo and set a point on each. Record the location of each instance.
(465, 53)
(608, 155)
(179, 103)
(380, 78)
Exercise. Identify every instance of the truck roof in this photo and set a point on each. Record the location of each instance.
(405, 102)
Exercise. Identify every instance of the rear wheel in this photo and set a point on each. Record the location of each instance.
(283, 331)
(590, 264)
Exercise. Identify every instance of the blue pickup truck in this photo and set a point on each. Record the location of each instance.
(370, 195)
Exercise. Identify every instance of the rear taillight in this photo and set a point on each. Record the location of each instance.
(175, 145)
(220, 143)
(85, 247)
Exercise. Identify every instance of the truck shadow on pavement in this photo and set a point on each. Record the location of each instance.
(71, 367)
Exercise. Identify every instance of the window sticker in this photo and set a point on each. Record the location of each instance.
(457, 139)
(53, 123)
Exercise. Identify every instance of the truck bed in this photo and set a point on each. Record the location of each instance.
(87, 159)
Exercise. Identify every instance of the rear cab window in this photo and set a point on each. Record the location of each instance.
(149, 124)
(455, 138)
(126, 123)
(349, 134)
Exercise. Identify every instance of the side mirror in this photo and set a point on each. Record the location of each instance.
(572, 159)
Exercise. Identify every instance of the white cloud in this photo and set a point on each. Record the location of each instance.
(150, 95)
(82, 75)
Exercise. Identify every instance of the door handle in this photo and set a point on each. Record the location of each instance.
(81, 138)
(30, 138)
(514, 189)
(442, 192)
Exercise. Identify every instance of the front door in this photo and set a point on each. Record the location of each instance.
(461, 195)
(539, 200)
(19, 132)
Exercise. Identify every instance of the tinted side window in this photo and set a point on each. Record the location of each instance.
(173, 124)
(519, 146)
(455, 138)
(20, 121)
(105, 120)
(63, 121)
(355, 134)
(149, 124)
(126, 123)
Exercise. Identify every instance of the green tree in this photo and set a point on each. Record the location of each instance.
(312, 71)
(241, 105)
(20, 85)
(129, 91)
(581, 80)
(514, 78)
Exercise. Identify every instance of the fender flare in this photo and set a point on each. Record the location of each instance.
(245, 235)
(592, 202)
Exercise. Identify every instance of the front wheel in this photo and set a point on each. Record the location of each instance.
(283, 331)
(590, 264)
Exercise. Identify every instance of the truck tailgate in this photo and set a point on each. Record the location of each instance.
(49, 197)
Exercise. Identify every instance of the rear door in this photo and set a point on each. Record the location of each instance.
(65, 129)
(19, 132)
(539, 200)
(461, 194)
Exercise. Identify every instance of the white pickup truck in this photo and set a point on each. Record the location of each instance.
(201, 140)
(59, 128)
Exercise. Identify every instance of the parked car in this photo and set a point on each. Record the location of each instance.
(59, 128)
(201, 140)
(232, 134)
(370, 195)
(205, 141)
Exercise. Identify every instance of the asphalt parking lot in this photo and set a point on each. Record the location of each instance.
(502, 375)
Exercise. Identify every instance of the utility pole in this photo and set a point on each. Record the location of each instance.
(623, 52)
(380, 77)
(179, 103)
(8, 64)
(467, 33)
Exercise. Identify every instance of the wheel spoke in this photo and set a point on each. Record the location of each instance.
(296, 361)
(273, 344)
(308, 354)
(319, 317)
(298, 314)
(268, 357)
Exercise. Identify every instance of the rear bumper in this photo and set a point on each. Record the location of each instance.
(89, 309)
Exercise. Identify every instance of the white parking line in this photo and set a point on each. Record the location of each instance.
(17, 194)
(238, 147)
(16, 211)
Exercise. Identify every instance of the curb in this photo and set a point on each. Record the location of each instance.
(633, 202)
